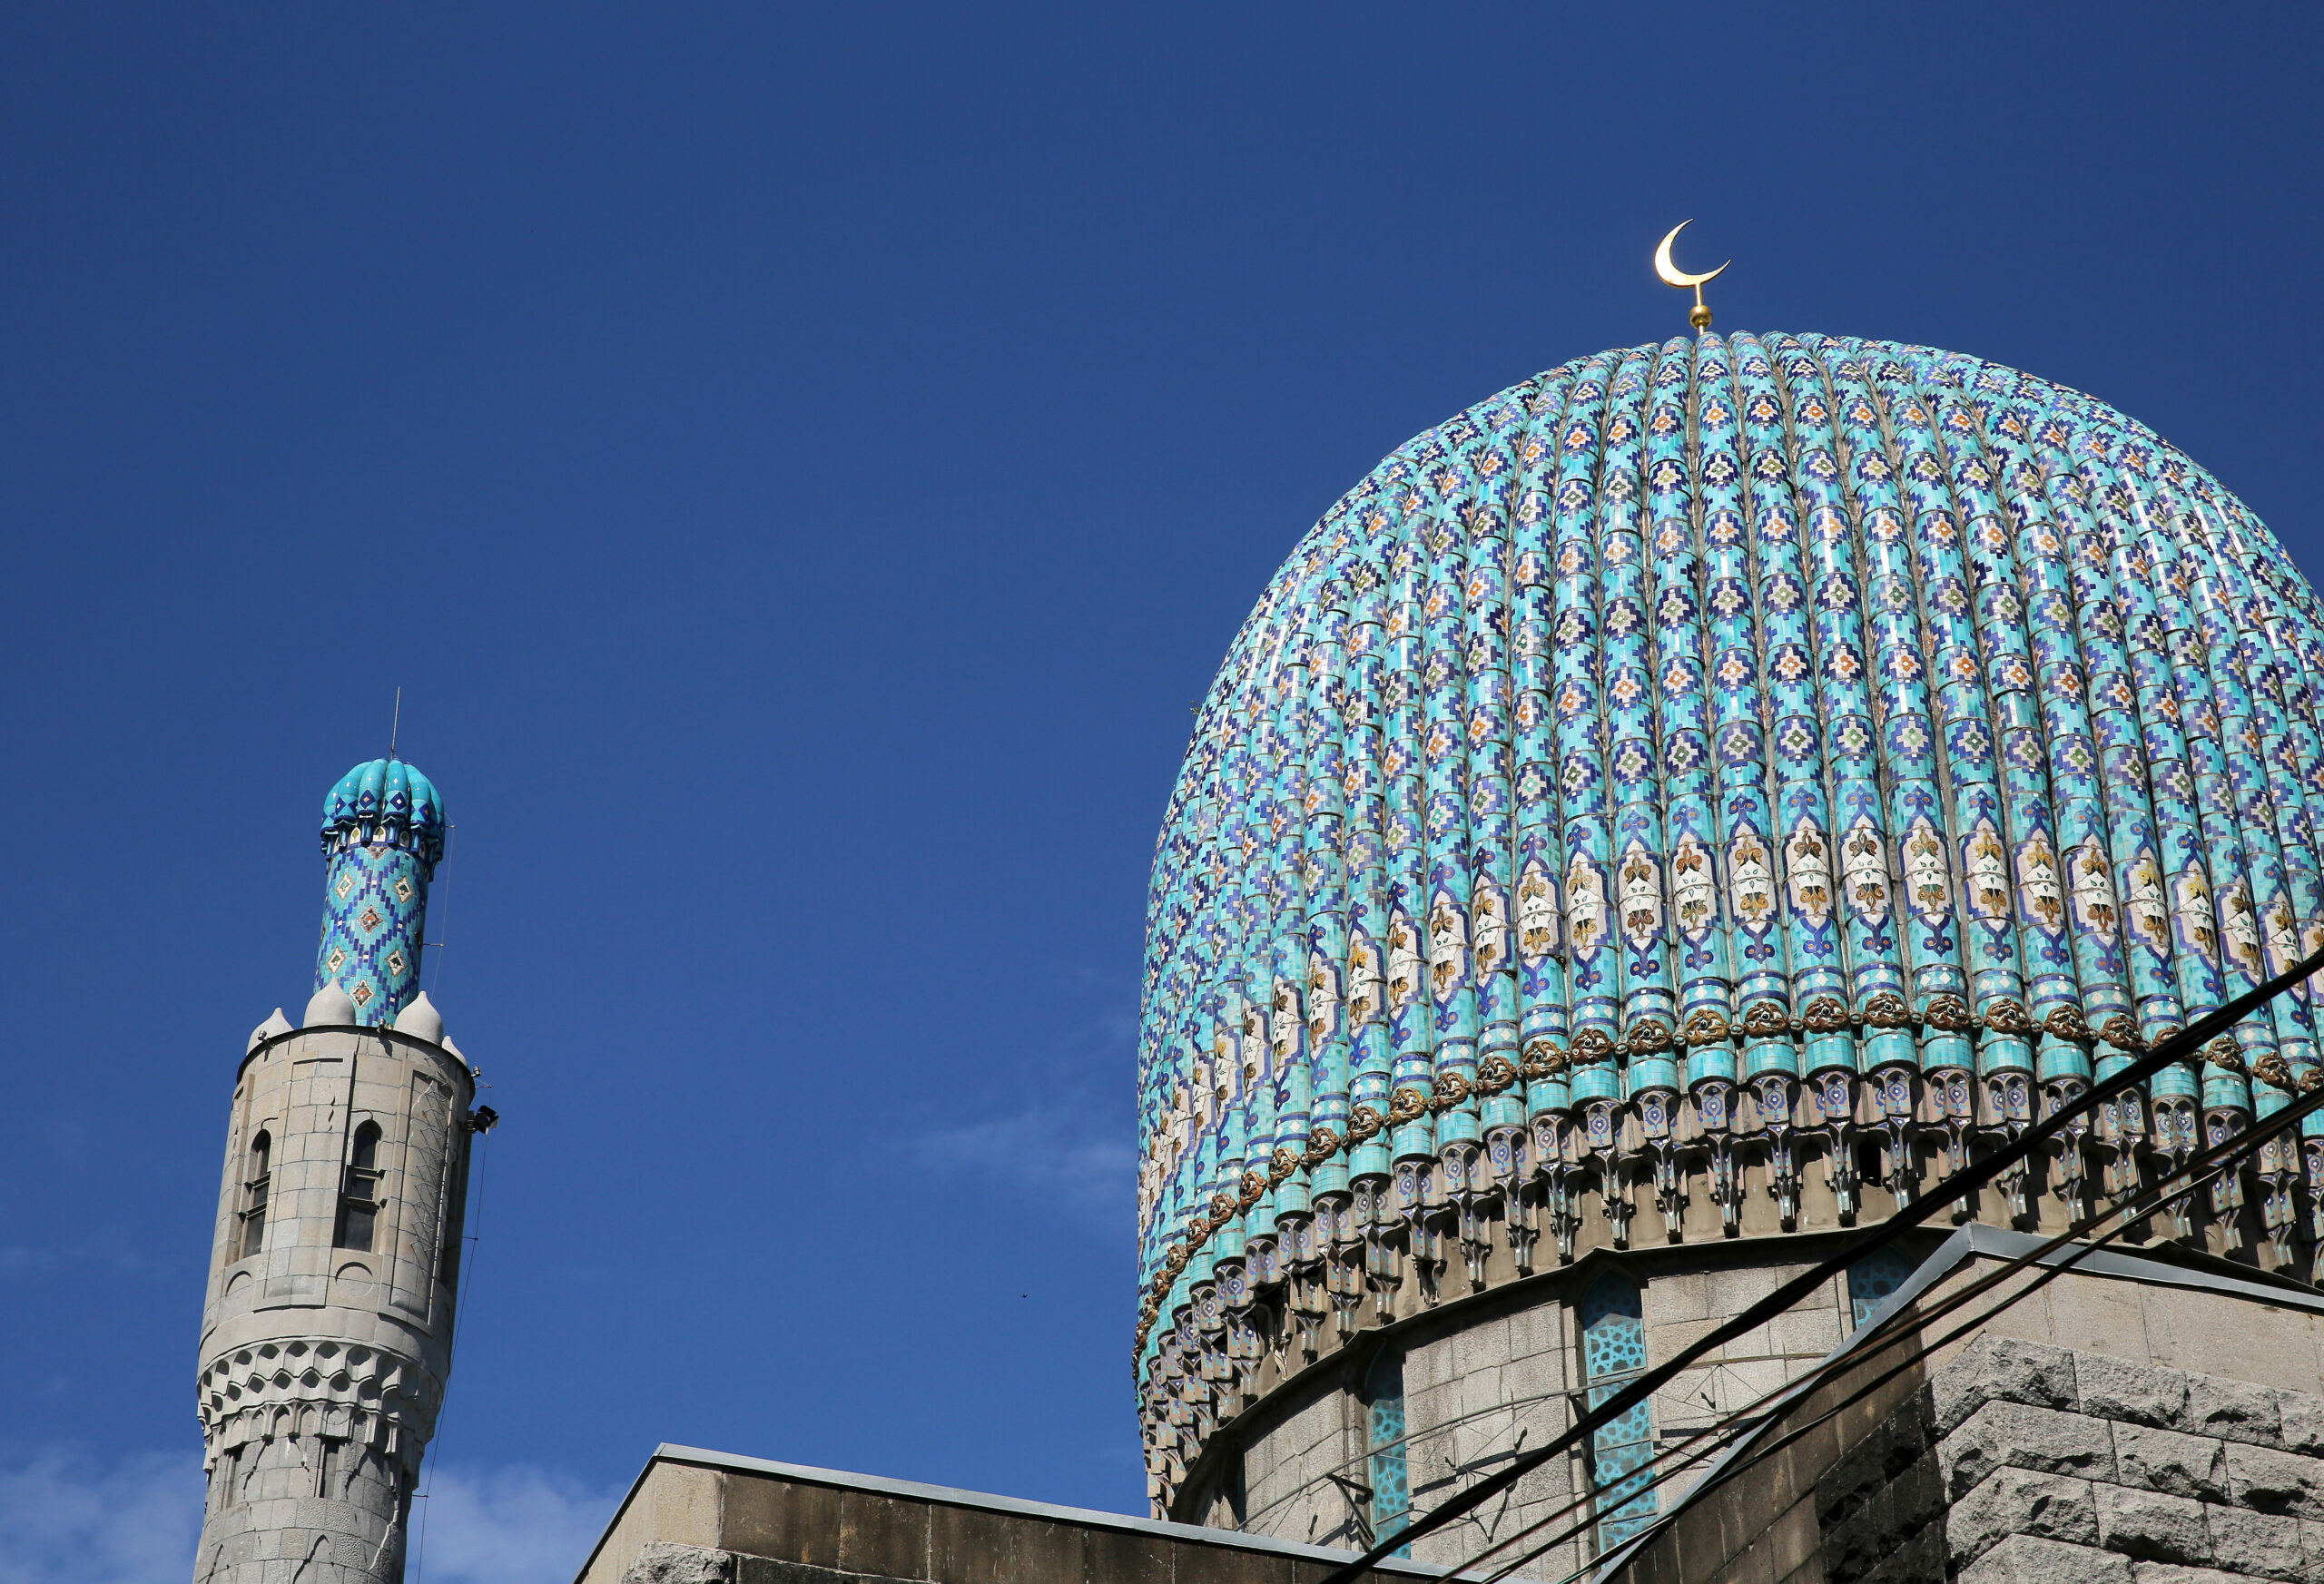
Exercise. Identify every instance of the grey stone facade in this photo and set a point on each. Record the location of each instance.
(1489, 1376)
(326, 1341)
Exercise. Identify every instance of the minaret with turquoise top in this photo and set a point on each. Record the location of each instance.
(335, 1265)
(383, 834)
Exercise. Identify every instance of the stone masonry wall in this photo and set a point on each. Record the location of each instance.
(2023, 1461)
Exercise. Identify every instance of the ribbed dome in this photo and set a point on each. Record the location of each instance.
(385, 803)
(1736, 708)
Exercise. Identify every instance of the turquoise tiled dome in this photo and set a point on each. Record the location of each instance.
(1718, 727)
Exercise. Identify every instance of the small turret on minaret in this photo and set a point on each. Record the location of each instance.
(327, 1335)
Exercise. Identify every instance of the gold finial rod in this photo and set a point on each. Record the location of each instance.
(1699, 316)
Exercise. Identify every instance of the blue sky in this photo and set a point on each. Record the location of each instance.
(799, 463)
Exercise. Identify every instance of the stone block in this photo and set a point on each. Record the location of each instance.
(2179, 1573)
(2024, 1558)
(2149, 1524)
(2169, 1461)
(2008, 1368)
(667, 1562)
(2255, 1544)
(2300, 1415)
(2275, 1482)
(2018, 1501)
(2231, 1410)
(2117, 1388)
(764, 1516)
(2019, 1435)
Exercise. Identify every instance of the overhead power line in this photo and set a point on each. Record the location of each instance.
(1959, 1185)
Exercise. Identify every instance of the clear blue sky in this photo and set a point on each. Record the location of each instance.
(799, 463)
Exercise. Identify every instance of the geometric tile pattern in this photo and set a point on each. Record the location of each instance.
(1736, 708)
(382, 833)
(1873, 1278)
(1384, 1467)
(1613, 1350)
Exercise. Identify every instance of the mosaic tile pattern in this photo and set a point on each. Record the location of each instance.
(1614, 1349)
(383, 835)
(1384, 1463)
(1734, 731)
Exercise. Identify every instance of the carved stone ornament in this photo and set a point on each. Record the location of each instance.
(1222, 1209)
(2225, 1054)
(1646, 1035)
(1405, 1105)
(1452, 1088)
(2007, 1017)
(1322, 1145)
(1592, 1045)
(1255, 1188)
(1364, 1123)
(1824, 1014)
(1286, 1159)
(2121, 1032)
(2067, 1023)
(1886, 1009)
(2271, 1068)
(1950, 1013)
(2311, 1079)
(1496, 1073)
(1767, 1017)
(1706, 1026)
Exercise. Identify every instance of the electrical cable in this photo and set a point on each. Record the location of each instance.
(1959, 1185)
(2226, 1154)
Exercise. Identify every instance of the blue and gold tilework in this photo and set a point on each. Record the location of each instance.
(1731, 735)
(382, 836)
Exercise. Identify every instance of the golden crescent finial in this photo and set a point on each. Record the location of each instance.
(1672, 275)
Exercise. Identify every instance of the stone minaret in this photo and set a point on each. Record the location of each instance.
(326, 1336)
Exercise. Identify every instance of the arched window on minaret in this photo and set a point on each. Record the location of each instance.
(359, 1200)
(251, 1235)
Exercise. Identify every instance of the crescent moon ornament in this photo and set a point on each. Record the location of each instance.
(1699, 316)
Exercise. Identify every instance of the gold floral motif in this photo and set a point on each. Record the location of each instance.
(1286, 1159)
(1591, 1044)
(1364, 1123)
(1950, 1013)
(1452, 1088)
(1496, 1073)
(2121, 1032)
(1646, 1035)
(2272, 1068)
(2007, 1017)
(1222, 1209)
(1706, 1026)
(2225, 1054)
(1886, 1009)
(1824, 1014)
(1255, 1188)
(1767, 1017)
(1405, 1105)
(1544, 1056)
(2067, 1023)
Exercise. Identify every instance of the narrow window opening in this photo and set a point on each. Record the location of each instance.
(228, 1464)
(1385, 1465)
(326, 1458)
(1614, 1352)
(359, 1199)
(255, 1180)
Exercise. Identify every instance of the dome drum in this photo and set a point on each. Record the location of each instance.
(1708, 791)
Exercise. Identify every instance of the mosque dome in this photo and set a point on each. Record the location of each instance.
(1698, 740)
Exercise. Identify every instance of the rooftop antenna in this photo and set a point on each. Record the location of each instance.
(395, 728)
(1699, 317)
